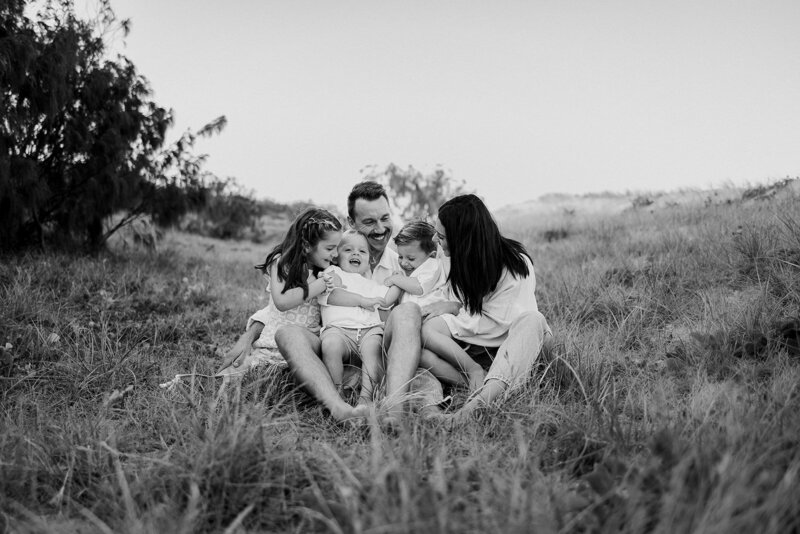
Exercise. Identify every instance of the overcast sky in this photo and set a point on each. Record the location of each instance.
(517, 98)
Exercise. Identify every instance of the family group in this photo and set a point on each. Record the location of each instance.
(450, 303)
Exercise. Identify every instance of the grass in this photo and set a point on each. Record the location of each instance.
(670, 402)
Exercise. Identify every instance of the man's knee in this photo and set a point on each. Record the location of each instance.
(405, 317)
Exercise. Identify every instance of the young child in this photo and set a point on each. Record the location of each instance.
(292, 272)
(424, 276)
(351, 327)
(424, 281)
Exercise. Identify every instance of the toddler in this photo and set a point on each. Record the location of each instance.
(351, 326)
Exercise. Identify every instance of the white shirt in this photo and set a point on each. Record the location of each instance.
(512, 297)
(387, 266)
(351, 316)
(431, 276)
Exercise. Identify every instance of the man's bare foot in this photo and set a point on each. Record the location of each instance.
(365, 401)
(475, 378)
(431, 412)
(349, 413)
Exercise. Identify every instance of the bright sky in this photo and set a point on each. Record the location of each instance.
(517, 97)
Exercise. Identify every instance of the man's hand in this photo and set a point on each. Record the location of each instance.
(369, 303)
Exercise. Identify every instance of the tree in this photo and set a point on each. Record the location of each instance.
(414, 194)
(80, 137)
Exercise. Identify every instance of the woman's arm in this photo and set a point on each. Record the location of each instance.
(293, 297)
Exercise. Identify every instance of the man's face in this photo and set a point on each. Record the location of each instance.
(372, 219)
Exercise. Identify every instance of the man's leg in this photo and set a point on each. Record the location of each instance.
(301, 349)
(402, 337)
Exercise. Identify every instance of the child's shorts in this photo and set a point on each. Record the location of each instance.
(354, 338)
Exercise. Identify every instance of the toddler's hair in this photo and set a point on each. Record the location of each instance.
(352, 233)
(417, 231)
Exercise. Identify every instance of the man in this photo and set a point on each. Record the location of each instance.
(368, 213)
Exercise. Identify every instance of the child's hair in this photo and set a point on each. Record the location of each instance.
(350, 233)
(308, 228)
(417, 231)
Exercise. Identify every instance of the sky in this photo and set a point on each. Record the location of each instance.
(517, 98)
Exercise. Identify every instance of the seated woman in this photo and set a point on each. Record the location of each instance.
(493, 319)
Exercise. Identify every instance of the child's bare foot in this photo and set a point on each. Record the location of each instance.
(475, 378)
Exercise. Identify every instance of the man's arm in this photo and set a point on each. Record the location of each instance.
(342, 297)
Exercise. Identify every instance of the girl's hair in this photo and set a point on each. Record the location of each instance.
(417, 231)
(307, 229)
(478, 253)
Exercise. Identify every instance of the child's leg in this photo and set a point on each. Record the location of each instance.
(441, 369)
(371, 367)
(334, 352)
(437, 339)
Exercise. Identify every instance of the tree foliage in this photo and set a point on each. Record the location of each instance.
(414, 194)
(80, 137)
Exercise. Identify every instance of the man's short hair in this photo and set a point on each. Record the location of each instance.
(368, 191)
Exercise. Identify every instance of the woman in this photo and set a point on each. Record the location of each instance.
(493, 317)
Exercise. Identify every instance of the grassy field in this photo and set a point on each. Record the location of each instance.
(670, 402)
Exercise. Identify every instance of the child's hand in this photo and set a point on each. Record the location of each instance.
(392, 280)
(332, 281)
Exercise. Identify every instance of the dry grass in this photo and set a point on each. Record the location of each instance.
(670, 404)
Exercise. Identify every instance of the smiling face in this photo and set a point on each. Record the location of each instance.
(441, 238)
(354, 253)
(411, 256)
(372, 218)
(324, 252)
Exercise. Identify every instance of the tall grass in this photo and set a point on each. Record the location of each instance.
(669, 402)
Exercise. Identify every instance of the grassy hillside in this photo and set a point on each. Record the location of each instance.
(670, 402)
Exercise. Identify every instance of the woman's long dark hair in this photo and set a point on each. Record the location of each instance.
(478, 253)
(306, 231)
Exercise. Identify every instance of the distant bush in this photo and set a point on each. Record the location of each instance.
(80, 137)
(414, 194)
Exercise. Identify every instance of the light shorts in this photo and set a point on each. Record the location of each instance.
(353, 337)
